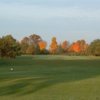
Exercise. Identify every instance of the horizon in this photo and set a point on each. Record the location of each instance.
(59, 41)
(69, 20)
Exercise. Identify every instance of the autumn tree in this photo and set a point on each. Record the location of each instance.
(83, 46)
(30, 45)
(65, 46)
(79, 46)
(43, 49)
(42, 45)
(30, 50)
(53, 46)
(35, 39)
(60, 50)
(75, 47)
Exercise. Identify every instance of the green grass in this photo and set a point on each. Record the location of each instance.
(50, 78)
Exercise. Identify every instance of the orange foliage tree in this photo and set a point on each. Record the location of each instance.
(53, 46)
(79, 46)
(42, 45)
(76, 47)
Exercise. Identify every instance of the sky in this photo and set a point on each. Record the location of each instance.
(66, 19)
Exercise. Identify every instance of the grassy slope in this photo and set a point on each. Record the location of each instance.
(50, 78)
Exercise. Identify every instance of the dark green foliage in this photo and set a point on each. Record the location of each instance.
(94, 48)
(9, 47)
(44, 52)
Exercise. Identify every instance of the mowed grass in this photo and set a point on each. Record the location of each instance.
(50, 78)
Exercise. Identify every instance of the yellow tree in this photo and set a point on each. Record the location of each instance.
(53, 46)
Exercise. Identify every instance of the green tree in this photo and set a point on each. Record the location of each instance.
(9, 47)
(94, 48)
(24, 45)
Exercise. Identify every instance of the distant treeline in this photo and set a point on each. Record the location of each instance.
(35, 45)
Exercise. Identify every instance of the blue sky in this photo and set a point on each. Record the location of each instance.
(66, 19)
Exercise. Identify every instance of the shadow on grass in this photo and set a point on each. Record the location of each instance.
(28, 86)
(47, 78)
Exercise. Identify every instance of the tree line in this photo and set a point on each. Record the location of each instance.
(35, 45)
